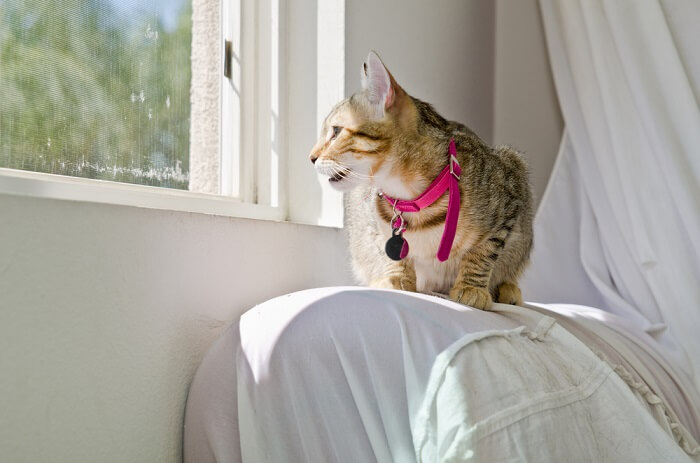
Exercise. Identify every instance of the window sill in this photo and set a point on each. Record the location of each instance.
(40, 185)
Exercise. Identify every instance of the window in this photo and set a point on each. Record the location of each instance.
(97, 89)
(190, 96)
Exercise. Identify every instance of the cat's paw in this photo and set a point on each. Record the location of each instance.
(479, 298)
(395, 282)
(509, 293)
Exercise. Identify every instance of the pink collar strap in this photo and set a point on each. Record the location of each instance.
(448, 179)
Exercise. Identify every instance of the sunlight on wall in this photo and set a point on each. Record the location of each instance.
(330, 70)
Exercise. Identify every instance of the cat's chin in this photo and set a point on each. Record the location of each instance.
(342, 184)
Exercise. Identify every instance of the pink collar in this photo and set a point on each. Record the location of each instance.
(446, 180)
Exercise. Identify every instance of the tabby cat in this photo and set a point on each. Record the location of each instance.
(381, 146)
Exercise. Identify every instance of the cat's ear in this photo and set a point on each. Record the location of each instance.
(378, 83)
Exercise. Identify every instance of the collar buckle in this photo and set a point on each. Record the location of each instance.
(453, 161)
(397, 221)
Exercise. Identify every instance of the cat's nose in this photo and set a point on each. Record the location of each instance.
(313, 158)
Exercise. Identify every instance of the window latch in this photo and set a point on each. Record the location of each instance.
(227, 58)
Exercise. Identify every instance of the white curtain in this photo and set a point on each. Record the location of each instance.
(619, 225)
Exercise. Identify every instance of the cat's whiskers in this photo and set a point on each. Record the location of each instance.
(338, 170)
(347, 171)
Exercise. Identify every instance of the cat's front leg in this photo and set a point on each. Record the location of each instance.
(397, 275)
(472, 284)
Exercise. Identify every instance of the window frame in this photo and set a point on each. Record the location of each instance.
(254, 147)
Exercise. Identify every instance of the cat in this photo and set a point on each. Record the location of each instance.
(381, 145)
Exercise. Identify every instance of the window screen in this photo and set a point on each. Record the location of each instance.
(97, 89)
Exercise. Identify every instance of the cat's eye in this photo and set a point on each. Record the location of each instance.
(336, 131)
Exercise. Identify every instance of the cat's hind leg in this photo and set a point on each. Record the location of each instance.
(473, 279)
(471, 285)
(509, 293)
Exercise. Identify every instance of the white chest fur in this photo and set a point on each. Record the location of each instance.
(431, 274)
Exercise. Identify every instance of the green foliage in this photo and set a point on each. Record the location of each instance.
(91, 92)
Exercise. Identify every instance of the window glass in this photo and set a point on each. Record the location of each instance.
(97, 89)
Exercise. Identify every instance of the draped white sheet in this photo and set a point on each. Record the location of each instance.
(354, 374)
(619, 225)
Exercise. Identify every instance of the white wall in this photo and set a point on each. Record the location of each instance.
(440, 52)
(315, 71)
(105, 312)
(526, 108)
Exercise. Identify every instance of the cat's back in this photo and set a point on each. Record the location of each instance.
(517, 171)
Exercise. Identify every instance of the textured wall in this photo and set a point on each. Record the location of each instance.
(205, 97)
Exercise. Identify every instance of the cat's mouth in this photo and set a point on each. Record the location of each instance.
(339, 177)
(342, 180)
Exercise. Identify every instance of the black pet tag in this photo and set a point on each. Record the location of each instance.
(396, 247)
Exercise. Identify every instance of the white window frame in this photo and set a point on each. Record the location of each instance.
(254, 170)
(253, 97)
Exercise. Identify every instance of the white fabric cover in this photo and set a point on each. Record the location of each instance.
(619, 225)
(355, 374)
(534, 394)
